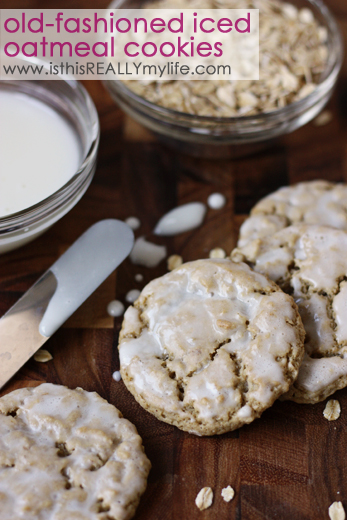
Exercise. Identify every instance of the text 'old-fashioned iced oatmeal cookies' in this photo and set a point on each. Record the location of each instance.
(310, 263)
(67, 455)
(315, 202)
(211, 345)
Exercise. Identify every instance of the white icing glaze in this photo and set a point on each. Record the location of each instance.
(187, 314)
(83, 267)
(105, 456)
(317, 374)
(216, 201)
(132, 295)
(115, 308)
(340, 309)
(314, 315)
(39, 152)
(312, 259)
(312, 203)
(147, 254)
(117, 376)
(245, 411)
(321, 256)
(211, 395)
(133, 222)
(181, 219)
(316, 202)
(274, 262)
(259, 226)
(145, 346)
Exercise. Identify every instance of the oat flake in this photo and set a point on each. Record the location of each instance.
(336, 511)
(174, 261)
(332, 410)
(204, 498)
(228, 493)
(42, 356)
(217, 252)
(324, 118)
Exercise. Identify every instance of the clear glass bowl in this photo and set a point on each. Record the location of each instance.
(70, 99)
(240, 135)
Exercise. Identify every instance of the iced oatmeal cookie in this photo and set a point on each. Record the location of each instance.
(310, 263)
(315, 202)
(209, 346)
(67, 454)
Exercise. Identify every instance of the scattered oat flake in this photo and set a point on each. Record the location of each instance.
(217, 252)
(42, 356)
(324, 118)
(332, 410)
(228, 493)
(204, 498)
(174, 261)
(336, 511)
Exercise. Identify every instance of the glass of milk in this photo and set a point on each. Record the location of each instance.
(49, 137)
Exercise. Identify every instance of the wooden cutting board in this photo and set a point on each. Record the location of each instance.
(291, 463)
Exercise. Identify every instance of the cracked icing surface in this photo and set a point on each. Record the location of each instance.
(209, 346)
(67, 454)
(310, 262)
(315, 202)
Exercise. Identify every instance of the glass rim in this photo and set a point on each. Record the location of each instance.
(47, 206)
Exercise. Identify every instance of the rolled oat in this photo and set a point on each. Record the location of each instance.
(204, 498)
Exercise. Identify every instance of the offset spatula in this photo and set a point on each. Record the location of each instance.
(60, 291)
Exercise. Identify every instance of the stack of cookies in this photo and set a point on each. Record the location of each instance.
(297, 237)
(209, 346)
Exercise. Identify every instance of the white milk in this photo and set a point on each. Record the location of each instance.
(39, 152)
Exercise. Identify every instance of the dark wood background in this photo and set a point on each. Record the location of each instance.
(291, 463)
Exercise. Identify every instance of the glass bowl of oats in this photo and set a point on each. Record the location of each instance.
(301, 53)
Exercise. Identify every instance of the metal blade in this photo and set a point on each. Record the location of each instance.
(60, 291)
(19, 327)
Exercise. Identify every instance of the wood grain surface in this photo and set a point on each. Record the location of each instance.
(290, 464)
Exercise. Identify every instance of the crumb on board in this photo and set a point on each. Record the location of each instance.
(174, 261)
(324, 118)
(332, 410)
(204, 498)
(42, 356)
(336, 511)
(217, 252)
(228, 493)
(133, 222)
